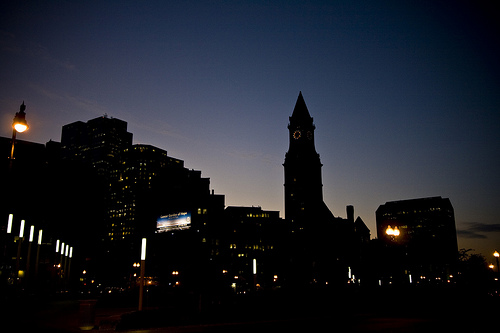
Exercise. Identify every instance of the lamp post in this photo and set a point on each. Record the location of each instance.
(398, 263)
(9, 232)
(496, 255)
(30, 240)
(18, 125)
(66, 254)
(40, 232)
(20, 241)
(70, 256)
(9, 223)
(143, 269)
(254, 271)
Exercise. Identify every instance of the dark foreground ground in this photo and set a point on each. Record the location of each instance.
(326, 310)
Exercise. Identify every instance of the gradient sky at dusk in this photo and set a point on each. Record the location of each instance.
(405, 97)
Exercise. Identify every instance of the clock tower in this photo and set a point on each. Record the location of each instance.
(303, 186)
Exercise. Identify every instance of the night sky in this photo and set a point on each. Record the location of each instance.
(405, 97)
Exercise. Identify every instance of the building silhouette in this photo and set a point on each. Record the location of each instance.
(426, 244)
(140, 183)
(107, 193)
(98, 142)
(253, 234)
(326, 246)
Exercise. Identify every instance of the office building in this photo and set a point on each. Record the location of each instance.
(421, 233)
(99, 142)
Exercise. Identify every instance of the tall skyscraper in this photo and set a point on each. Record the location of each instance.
(98, 142)
(136, 193)
(141, 183)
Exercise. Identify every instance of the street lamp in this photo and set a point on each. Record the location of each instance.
(30, 240)
(143, 269)
(39, 243)
(254, 271)
(9, 223)
(21, 237)
(392, 232)
(70, 256)
(496, 255)
(18, 125)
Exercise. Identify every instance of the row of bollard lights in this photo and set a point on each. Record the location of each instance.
(61, 248)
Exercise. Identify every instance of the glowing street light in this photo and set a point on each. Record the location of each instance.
(65, 252)
(70, 255)
(392, 232)
(40, 232)
(143, 249)
(32, 232)
(21, 229)
(496, 255)
(143, 269)
(18, 125)
(9, 223)
(30, 240)
(254, 270)
(389, 231)
(20, 241)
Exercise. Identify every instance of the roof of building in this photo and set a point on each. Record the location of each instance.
(300, 112)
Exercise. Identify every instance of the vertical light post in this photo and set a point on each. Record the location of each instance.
(20, 241)
(254, 270)
(30, 240)
(496, 255)
(18, 125)
(9, 223)
(61, 262)
(70, 256)
(57, 252)
(143, 269)
(66, 254)
(39, 243)
(393, 235)
(9, 232)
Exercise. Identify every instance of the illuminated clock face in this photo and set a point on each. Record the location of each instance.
(296, 134)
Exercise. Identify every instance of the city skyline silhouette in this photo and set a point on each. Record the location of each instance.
(404, 97)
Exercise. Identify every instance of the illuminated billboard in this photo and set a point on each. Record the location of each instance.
(178, 221)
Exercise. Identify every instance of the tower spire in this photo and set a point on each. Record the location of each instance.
(300, 111)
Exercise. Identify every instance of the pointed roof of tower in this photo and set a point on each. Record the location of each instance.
(300, 111)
